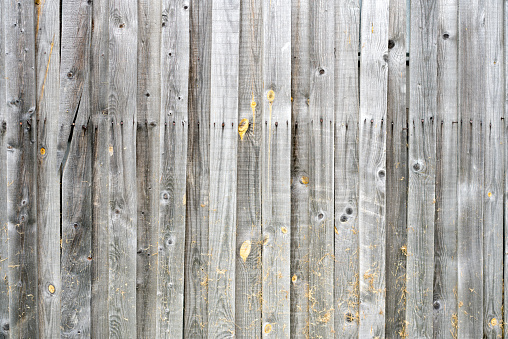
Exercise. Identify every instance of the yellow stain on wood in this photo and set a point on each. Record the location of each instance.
(493, 322)
(110, 151)
(43, 151)
(47, 66)
(184, 199)
(489, 194)
(245, 250)
(253, 106)
(304, 180)
(336, 231)
(270, 96)
(284, 230)
(294, 279)
(51, 289)
(243, 127)
(268, 328)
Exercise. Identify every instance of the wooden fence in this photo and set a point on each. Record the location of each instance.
(253, 168)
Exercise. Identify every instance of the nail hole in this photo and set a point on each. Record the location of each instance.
(321, 71)
(349, 210)
(320, 215)
(343, 218)
(416, 167)
(381, 173)
(446, 36)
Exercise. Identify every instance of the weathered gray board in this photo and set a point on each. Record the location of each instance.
(253, 168)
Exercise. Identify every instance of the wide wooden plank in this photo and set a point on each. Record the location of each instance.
(445, 229)
(20, 88)
(99, 97)
(147, 164)
(346, 283)
(321, 169)
(493, 190)
(198, 171)
(276, 155)
(223, 169)
(422, 162)
(123, 28)
(248, 295)
(47, 61)
(471, 167)
(173, 161)
(372, 172)
(396, 173)
(300, 189)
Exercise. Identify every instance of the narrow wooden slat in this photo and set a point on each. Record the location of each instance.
(248, 237)
(47, 61)
(422, 162)
(505, 143)
(99, 74)
(347, 30)
(396, 173)
(276, 155)
(147, 166)
(173, 161)
(198, 172)
(20, 88)
(470, 178)
(300, 189)
(493, 190)
(372, 172)
(321, 169)
(445, 232)
(123, 28)
(223, 169)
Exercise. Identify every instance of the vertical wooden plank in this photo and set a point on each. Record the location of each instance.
(276, 155)
(300, 190)
(445, 232)
(471, 170)
(494, 170)
(123, 28)
(198, 171)
(347, 30)
(321, 169)
(422, 161)
(223, 147)
(20, 90)
(505, 143)
(173, 138)
(148, 162)
(4, 236)
(47, 63)
(396, 173)
(248, 295)
(99, 74)
(372, 172)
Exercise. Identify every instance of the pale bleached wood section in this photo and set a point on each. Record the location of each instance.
(223, 168)
(471, 93)
(47, 63)
(148, 163)
(275, 173)
(123, 28)
(21, 96)
(396, 172)
(173, 161)
(198, 172)
(300, 189)
(321, 169)
(248, 238)
(493, 191)
(422, 169)
(99, 96)
(372, 172)
(75, 44)
(346, 276)
(445, 233)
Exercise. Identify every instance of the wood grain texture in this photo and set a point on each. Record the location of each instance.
(248, 295)
(198, 171)
(445, 232)
(123, 28)
(372, 172)
(505, 143)
(276, 155)
(494, 170)
(471, 67)
(346, 276)
(300, 162)
(20, 89)
(148, 164)
(173, 162)
(223, 169)
(396, 172)
(47, 63)
(321, 169)
(99, 104)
